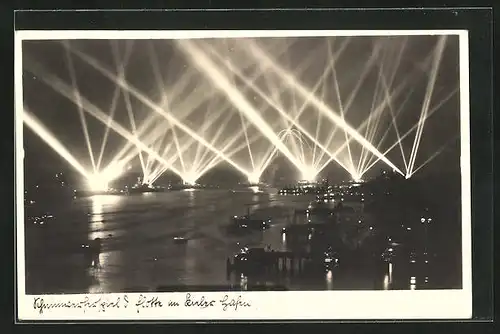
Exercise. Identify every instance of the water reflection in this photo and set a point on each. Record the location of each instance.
(100, 204)
(386, 282)
(255, 189)
(244, 282)
(191, 192)
(390, 272)
(329, 280)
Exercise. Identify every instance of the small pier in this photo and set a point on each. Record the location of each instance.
(275, 262)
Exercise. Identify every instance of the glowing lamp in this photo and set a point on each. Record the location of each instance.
(98, 183)
(309, 174)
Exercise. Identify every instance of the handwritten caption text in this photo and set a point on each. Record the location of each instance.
(140, 303)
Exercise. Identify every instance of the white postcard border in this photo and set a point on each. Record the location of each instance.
(418, 304)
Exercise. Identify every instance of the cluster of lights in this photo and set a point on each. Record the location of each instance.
(296, 191)
(40, 220)
(100, 181)
(424, 220)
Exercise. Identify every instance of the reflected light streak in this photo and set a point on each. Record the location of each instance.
(329, 280)
(283, 240)
(161, 85)
(432, 157)
(386, 282)
(99, 204)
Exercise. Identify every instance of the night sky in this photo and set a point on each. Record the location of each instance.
(156, 67)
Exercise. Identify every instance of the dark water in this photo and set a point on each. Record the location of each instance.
(139, 253)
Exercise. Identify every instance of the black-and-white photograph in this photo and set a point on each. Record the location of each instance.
(275, 163)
